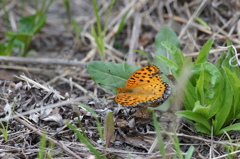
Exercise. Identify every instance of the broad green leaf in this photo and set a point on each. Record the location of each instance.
(202, 129)
(110, 75)
(235, 87)
(176, 53)
(190, 96)
(226, 104)
(202, 57)
(165, 34)
(195, 117)
(32, 24)
(229, 128)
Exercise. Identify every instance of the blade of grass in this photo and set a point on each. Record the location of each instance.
(85, 141)
(99, 127)
(159, 137)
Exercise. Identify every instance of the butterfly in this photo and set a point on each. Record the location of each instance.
(143, 87)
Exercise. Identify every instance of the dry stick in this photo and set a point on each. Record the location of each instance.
(134, 37)
(196, 13)
(211, 51)
(45, 61)
(26, 69)
(28, 80)
(65, 148)
(182, 20)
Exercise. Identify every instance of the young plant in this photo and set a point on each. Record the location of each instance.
(41, 153)
(211, 93)
(99, 35)
(85, 141)
(28, 27)
(175, 141)
(4, 130)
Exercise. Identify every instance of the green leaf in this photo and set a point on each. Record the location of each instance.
(165, 34)
(108, 128)
(189, 152)
(220, 61)
(234, 82)
(200, 86)
(222, 115)
(110, 75)
(176, 53)
(32, 24)
(202, 57)
(169, 63)
(229, 128)
(190, 96)
(195, 117)
(202, 129)
(199, 109)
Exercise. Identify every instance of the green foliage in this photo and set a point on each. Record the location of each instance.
(4, 130)
(110, 75)
(28, 27)
(211, 93)
(85, 141)
(41, 153)
(174, 140)
(99, 34)
(96, 118)
(168, 35)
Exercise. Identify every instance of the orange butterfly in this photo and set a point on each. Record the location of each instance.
(143, 87)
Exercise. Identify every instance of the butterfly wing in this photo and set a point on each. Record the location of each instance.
(143, 86)
(145, 75)
(147, 94)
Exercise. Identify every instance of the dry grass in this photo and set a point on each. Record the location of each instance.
(60, 62)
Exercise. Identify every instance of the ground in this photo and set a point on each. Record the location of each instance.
(54, 74)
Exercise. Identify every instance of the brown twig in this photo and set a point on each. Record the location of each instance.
(44, 61)
(65, 148)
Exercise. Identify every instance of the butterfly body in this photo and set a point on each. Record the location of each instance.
(144, 86)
